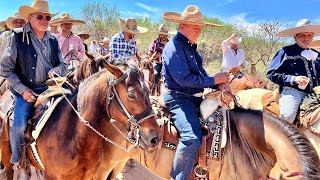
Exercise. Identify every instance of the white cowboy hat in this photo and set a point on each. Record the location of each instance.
(164, 30)
(235, 40)
(105, 40)
(10, 20)
(191, 15)
(303, 25)
(66, 18)
(36, 7)
(130, 26)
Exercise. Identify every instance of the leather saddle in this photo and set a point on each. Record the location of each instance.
(213, 125)
(43, 107)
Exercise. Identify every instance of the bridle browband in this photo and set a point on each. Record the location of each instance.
(133, 120)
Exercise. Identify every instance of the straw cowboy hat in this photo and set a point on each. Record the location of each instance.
(164, 30)
(3, 24)
(191, 15)
(130, 26)
(84, 36)
(51, 23)
(235, 40)
(10, 20)
(36, 7)
(303, 25)
(66, 18)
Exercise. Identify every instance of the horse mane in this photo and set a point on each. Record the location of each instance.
(309, 161)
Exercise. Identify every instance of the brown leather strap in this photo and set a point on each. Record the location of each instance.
(202, 153)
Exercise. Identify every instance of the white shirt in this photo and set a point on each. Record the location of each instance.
(93, 48)
(231, 59)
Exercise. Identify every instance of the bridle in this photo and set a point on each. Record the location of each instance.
(133, 120)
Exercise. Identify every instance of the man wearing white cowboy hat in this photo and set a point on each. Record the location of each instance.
(123, 45)
(233, 57)
(33, 55)
(296, 68)
(104, 47)
(184, 78)
(71, 44)
(157, 46)
(13, 22)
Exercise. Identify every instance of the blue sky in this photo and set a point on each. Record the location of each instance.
(229, 11)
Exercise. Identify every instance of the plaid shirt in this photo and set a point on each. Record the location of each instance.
(158, 46)
(120, 48)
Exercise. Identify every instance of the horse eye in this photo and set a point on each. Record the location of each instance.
(130, 95)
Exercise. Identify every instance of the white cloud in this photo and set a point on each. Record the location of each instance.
(135, 14)
(241, 19)
(225, 2)
(149, 8)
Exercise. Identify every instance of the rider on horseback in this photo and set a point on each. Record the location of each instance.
(156, 48)
(233, 57)
(184, 78)
(71, 44)
(33, 55)
(296, 68)
(123, 45)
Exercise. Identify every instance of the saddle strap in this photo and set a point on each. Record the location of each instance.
(202, 159)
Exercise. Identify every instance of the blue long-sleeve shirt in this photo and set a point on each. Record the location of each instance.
(288, 63)
(182, 67)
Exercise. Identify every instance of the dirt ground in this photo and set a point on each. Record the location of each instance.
(138, 172)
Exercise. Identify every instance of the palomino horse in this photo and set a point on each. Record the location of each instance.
(249, 154)
(111, 106)
(248, 81)
(251, 99)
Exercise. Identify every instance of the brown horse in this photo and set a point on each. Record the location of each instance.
(258, 140)
(88, 66)
(248, 81)
(112, 107)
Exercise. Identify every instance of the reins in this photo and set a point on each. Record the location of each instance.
(134, 120)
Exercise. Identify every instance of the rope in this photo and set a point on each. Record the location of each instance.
(87, 123)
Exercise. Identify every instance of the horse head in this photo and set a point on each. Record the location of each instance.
(126, 99)
(248, 81)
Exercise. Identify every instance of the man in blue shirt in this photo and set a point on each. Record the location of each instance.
(296, 68)
(184, 78)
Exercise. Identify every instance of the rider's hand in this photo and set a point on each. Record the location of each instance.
(73, 51)
(29, 95)
(302, 80)
(51, 73)
(224, 88)
(221, 78)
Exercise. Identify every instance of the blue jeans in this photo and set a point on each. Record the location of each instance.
(183, 110)
(157, 67)
(289, 103)
(22, 111)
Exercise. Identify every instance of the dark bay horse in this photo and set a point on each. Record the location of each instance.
(88, 66)
(112, 107)
(258, 140)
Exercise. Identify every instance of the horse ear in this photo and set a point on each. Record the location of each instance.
(89, 55)
(113, 69)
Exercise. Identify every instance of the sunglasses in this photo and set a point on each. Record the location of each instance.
(40, 17)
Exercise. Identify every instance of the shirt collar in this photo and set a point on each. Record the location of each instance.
(185, 40)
